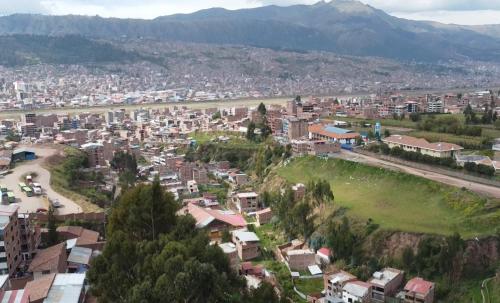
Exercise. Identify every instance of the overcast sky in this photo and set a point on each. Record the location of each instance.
(447, 11)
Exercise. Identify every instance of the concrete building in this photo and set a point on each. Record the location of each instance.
(246, 202)
(385, 284)
(295, 128)
(417, 290)
(332, 133)
(30, 236)
(231, 252)
(300, 259)
(263, 216)
(357, 292)
(438, 149)
(10, 240)
(49, 261)
(247, 245)
(334, 283)
(95, 154)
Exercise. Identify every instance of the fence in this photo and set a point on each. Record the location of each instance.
(434, 169)
(94, 217)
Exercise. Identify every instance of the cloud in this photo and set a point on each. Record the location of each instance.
(454, 17)
(433, 5)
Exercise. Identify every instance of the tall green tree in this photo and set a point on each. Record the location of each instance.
(262, 109)
(52, 238)
(153, 255)
(251, 131)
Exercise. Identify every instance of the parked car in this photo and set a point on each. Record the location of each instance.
(55, 203)
(41, 210)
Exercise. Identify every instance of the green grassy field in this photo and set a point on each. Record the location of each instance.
(399, 201)
(450, 138)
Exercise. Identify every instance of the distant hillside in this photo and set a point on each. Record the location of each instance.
(340, 26)
(30, 49)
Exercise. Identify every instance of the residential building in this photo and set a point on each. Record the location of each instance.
(48, 261)
(334, 283)
(422, 146)
(263, 216)
(356, 291)
(213, 220)
(95, 154)
(246, 202)
(385, 284)
(231, 252)
(294, 128)
(10, 239)
(247, 245)
(417, 290)
(30, 236)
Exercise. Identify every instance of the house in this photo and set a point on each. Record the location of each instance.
(246, 202)
(422, 146)
(67, 288)
(84, 237)
(238, 178)
(334, 282)
(247, 244)
(356, 291)
(299, 191)
(418, 290)
(323, 256)
(192, 187)
(385, 283)
(39, 289)
(263, 216)
(215, 221)
(332, 133)
(231, 252)
(50, 260)
(79, 259)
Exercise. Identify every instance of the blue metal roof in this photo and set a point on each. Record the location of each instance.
(337, 130)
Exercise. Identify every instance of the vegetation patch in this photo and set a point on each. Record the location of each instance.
(410, 203)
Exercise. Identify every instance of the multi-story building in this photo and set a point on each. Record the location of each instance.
(246, 202)
(30, 236)
(417, 290)
(95, 154)
(10, 239)
(334, 282)
(295, 128)
(385, 283)
(357, 291)
(247, 245)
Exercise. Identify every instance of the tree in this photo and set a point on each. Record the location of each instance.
(303, 216)
(341, 240)
(251, 131)
(262, 109)
(415, 117)
(408, 259)
(153, 255)
(52, 238)
(387, 133)
(216, 115)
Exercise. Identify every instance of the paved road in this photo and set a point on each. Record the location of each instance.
(31, 204)
(475, 187)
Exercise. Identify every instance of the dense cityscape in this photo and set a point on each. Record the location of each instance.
(320, 153)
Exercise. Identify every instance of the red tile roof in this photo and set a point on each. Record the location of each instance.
(205, 216)
(422, 143)
(320, 130)
(419, 285)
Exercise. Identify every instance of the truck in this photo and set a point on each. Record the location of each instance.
(10, 197)
(29, 179)
(22, 185)
(28, 191)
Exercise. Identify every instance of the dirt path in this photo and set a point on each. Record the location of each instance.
(490, 191)
(31, 204)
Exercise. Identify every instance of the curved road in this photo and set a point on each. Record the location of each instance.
(31, 204)
(490, 191)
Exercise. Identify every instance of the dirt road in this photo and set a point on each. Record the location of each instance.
(31, 204)
(490, 191)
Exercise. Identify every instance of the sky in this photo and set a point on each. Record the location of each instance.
(467, 12)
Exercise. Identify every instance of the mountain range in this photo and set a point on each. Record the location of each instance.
(341, 26)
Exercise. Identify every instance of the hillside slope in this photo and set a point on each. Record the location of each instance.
(340, 26)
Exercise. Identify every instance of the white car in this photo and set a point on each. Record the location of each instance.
(56, 203)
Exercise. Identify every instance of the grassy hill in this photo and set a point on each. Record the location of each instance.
(399, 201)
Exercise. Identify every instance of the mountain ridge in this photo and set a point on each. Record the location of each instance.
(339, 26)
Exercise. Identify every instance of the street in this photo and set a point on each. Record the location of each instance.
(490, 191)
